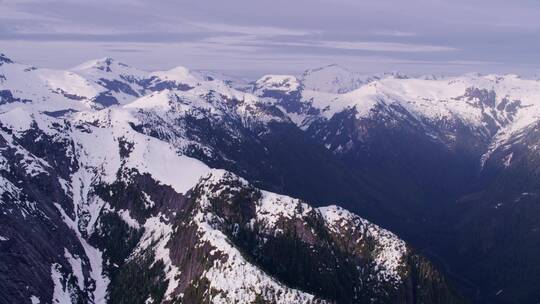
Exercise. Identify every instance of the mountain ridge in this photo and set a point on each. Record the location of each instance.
(144, 220)
(372, 150)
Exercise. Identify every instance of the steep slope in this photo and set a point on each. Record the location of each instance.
(500, 221)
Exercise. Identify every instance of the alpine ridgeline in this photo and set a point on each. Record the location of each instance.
(122, 186)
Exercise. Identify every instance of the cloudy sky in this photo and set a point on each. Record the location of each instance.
(251, 37)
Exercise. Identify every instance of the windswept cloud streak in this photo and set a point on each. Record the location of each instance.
(393, 33)
(374, 46)
(263, 31)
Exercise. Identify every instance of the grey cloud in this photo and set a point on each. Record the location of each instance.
(264, 35)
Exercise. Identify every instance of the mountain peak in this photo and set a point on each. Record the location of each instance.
(179, 75)
(333, 78)
(176, 73)
(106, 64)
(157, 100)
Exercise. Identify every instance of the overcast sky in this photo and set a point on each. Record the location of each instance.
(253, 37)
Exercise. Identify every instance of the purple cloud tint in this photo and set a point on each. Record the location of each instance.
(253, 37)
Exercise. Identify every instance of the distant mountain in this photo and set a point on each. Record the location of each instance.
(123, 186)
(334, 79)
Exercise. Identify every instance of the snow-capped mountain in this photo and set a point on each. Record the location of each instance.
(488, 103)
(473, 112)
(436, 143)
(133, 167)
(334, 79)
(113, 190)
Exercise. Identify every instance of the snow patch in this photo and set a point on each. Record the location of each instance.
(17, 119)
(507, 160)
(76, 266)
(272, 207)
(35, 300)
(126, 217)
(61, 293)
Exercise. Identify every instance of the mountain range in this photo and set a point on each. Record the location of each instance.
(119, 185)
